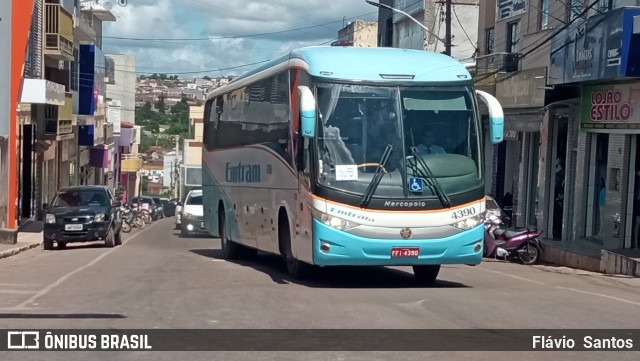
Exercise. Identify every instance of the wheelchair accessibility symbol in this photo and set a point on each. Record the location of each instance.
(415, 185)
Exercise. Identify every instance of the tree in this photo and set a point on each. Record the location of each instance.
(148, 141)
(160, 105)
(206, 77)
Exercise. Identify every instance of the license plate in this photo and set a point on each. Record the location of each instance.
(73, 227)
(405, 252)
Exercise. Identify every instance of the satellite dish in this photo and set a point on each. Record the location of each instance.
(107, 5)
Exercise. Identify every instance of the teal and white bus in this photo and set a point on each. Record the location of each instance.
(322, 156)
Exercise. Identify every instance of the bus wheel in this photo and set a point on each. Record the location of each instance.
(230, 250)
(295, 268)
(427, 273)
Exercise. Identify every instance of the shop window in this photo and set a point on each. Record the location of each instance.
(599, 180)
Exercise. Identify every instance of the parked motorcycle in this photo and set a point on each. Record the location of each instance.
(520, 244)
(130, 218)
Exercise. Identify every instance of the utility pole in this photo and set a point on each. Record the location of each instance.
(447, 20)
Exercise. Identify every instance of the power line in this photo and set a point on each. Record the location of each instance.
(546, 40)
(463, 30)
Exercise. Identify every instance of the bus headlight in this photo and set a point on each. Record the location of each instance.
(470, 222)
(333, 221)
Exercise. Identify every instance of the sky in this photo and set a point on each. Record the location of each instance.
(176, 22)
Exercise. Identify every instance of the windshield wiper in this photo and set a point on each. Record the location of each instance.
(377, 177)
(428, 175)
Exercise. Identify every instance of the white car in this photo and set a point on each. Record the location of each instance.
(179, 215)
(192, 214)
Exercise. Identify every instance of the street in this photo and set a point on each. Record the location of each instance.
(159, 280)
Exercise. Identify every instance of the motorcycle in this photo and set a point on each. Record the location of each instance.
(520, 244)
(130, 218)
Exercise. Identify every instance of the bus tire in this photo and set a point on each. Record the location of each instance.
(426, 273)
(230, 249)
(295, 268)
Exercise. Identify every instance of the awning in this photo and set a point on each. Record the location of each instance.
(523, 120)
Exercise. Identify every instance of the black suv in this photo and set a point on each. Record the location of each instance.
(82, 214)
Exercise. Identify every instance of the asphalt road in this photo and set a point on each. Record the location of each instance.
(159, 280)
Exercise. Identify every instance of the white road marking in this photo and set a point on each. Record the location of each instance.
(516, 277)
(59, 281)
(599, 294)
(566, 288)
(17, 292)
(15, 285)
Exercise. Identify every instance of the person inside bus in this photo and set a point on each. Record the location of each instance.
(428, 146)
(381, 132)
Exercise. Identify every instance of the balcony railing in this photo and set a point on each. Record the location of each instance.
(131, 163)
(53, 129)
(58, 33)
(497, 62)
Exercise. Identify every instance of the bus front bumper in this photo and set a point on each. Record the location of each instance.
(346, 249)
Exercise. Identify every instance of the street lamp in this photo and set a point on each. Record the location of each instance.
(407, 15)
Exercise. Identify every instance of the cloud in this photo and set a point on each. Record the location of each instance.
(320, 21)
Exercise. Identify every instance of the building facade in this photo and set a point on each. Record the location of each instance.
(567, 85)
(65, 138)
(360, 34)
(191, 165)
(409, 35)
(600, 55)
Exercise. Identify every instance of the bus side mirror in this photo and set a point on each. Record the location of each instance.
(307, 112)
(496, 116)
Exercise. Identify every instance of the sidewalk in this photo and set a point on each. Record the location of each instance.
(589, 256)
(30, 236)
(25, 241)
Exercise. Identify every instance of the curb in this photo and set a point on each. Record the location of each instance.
(14, 251)
(568, 258)
(613, 263)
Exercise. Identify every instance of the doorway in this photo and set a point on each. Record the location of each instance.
(26, 171)
(509, 157)
(597, 185)
(559, 157)
(533, 183)
(634, 201)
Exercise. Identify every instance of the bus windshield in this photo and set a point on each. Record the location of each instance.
(435, 124)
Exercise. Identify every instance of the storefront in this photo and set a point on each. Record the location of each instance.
(522, 95)
(610, 120)
(601, 57)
